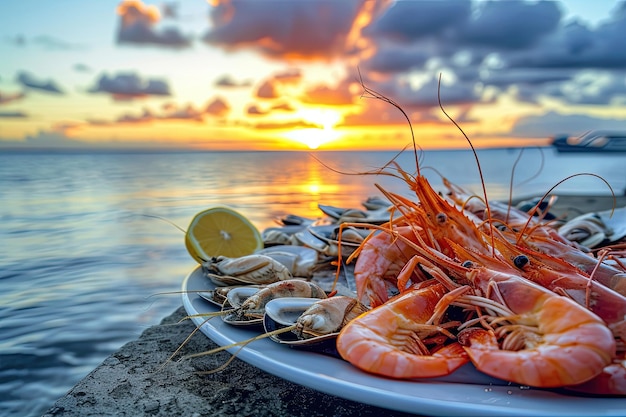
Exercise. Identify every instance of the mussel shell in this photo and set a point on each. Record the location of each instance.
(284, 312)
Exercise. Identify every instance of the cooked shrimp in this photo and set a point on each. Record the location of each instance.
(612, 380)
(608, 275)
(439, 219)
(546, 341)
(393, 339)
(380, 260)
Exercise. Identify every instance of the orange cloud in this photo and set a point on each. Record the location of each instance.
(217, 107)
(138, 26)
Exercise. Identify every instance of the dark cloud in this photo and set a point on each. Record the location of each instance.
(128, 86)
(285, 29)
(426, 95)
(13, 114)
(511, 24)
(30, 81)
(409, 21)
(394, 57)
(577, 46)
(228, 81)
(526, 76)
(138, 26)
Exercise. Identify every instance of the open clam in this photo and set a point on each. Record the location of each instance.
(235, 299)
(245, 306)
(218, 295)
(313, 324)
(301, 261)
(351, 239)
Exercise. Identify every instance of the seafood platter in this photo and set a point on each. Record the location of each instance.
(440, 302)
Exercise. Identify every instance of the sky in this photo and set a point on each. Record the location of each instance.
(298, 75)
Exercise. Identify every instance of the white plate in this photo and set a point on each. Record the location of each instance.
(465, 392)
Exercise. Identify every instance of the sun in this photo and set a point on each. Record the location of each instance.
(314, 137)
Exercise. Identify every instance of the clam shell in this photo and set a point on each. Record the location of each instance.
(234, 300)
(284, 312)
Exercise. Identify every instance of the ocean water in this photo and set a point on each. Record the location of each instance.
(83, 259)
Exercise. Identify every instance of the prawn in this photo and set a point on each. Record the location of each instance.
(381, 257)
(393, 339)
(546, 341)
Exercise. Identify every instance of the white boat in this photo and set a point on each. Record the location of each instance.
(592, 141)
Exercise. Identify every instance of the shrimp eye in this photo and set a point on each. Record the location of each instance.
(467, 264)
(520, 261)
(441, 218)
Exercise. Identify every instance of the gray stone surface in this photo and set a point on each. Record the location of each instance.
(138, 380)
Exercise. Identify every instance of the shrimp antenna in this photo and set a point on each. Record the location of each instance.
(480, 171)
(376, 95)
(165, 220)
(536, 208)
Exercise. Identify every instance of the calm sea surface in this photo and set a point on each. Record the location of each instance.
(81, 260)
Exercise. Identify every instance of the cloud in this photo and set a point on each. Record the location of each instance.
(137, 26)
(286, 107)
(285, 125)
(28, 80)
(170, 10)
(170, 111)
(50, 42)
(217, 107)
(275, 85)
(513, 24)
(145, 117)
(129, 86)
(409, 21)
(257, 110)
(44, 139)
(527, 76)
(229, 82)
(8, 98)
(267, 89)
(546, 125)
(80, 67)
(286, 30)
(17, 114)
(188, 112)
(340, 95)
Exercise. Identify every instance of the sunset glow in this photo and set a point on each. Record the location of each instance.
(147, 74)
(326, 120)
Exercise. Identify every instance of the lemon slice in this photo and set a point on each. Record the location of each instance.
(221, 231)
